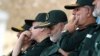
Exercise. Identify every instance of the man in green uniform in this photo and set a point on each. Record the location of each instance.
(96, 13)
(90, 46)
(86, 47)
(83, 4)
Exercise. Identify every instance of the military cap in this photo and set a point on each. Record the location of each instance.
(21, 28)
(54, 17)
(79, 3)
(41, 17)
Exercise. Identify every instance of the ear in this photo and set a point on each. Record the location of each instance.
(89, 11)
(62, 25)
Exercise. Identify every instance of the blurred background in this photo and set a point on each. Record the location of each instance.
(18, 10)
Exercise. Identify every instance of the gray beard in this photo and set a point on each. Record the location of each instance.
(96, 12)
(56, 37)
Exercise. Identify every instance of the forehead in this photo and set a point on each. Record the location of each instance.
(80, 8)
(55, 26)
(35, 23)
(96, 0)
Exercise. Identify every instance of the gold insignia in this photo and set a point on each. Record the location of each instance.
(43, 23)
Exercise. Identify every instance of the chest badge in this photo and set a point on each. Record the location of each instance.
(89, 36)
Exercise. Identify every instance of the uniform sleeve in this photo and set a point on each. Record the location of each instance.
(69, 42)
(64, 39)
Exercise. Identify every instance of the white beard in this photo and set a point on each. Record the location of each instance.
(96, 12)
(55, 37)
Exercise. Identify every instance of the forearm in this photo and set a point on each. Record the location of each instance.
(17, 48)
(63, 52)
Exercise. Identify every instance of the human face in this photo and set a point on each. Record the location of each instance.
(35, 32)
(96, 11)
(80, 13)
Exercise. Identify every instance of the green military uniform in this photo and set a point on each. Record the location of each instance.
(68, 42)
(74, 41)
(52, 50)
(96, 51)
(97, 46)
(36, 49)
(87, 47)
(48, 51)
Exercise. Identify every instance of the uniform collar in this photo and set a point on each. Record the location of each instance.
(47, 40)
(90, 25)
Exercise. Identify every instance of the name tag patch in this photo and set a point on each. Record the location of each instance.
(88, 35)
